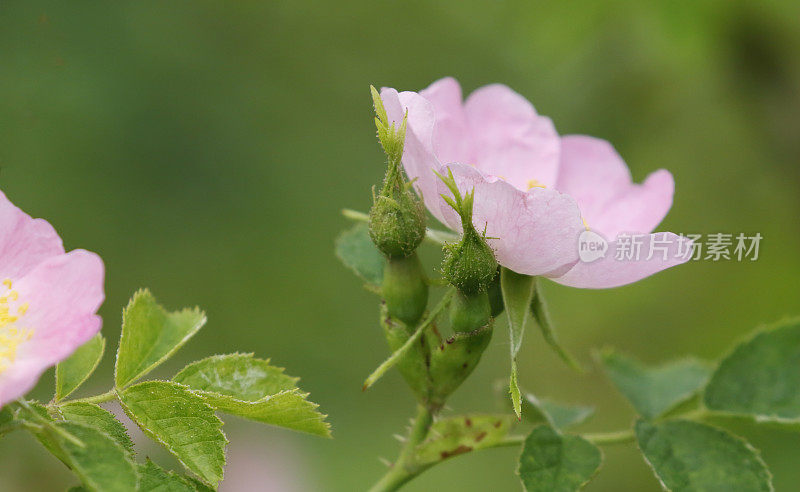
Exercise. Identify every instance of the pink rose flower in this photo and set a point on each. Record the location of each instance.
(535, 192)
(48, 299)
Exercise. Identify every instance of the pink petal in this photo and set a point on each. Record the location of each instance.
(510, 139)
(60, 292)
(536, 231)
(595, 175)
(419, 160)
(62, 295)
(19, 378)
(610, 272)
(24, 242)
(452, 141)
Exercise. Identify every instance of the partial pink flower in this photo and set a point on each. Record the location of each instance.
(48, 299)
(535, 192)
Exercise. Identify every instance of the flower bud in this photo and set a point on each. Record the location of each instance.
(397, 216)
(397, 221)
(469, 265)
(405, 289)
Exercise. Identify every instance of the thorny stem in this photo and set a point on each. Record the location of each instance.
(403, 470)
(401, 473)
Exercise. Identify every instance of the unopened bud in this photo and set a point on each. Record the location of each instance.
(469, 265)
(397, 217)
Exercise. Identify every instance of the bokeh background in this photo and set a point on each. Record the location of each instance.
(205, 148)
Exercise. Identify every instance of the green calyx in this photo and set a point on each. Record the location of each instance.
(397, 217)
(469, 265)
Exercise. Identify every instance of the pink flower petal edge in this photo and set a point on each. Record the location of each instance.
(611, 271)
(535, 192)
(48, 300)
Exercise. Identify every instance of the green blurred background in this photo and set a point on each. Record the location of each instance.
(204, 149)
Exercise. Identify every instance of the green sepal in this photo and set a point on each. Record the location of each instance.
(518, 291)
(413, 365)
(542, 317)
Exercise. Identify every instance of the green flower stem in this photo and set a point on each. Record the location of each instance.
(403, 470)
(433, 235)
(103, 397)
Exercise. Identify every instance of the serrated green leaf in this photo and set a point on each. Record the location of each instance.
(760, 379)
(542, 317)
(182, 422)
(99, 418)
(355, 249)
(557, 415)
(153, 478)
(242, 385)
(75, 370)
(655, 390)
(552, 462)
(690, 456)
(239, 375)
(517, 295)
(100, 463)
(458, 435)
(199, 486)
(150, 335)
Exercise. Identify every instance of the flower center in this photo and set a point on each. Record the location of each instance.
(11, 336)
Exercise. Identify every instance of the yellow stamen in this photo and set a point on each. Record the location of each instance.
(532, 183)
(11, 336)
(584, 223)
